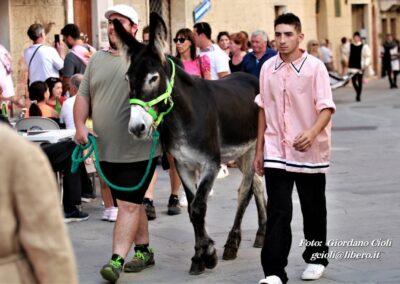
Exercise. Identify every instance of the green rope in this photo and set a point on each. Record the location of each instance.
(78, 157)
(77, 154)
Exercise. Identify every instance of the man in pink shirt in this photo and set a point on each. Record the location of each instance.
(293, 147)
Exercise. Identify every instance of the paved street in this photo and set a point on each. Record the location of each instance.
(363, 200)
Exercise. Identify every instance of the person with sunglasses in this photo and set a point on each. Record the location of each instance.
(313, 48)
(195, 65)
(186, 51)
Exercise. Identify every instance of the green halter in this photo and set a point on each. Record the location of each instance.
(166, 96)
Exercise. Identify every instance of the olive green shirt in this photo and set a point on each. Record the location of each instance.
(105, 84)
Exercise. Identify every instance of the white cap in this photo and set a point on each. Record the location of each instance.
(124, 10)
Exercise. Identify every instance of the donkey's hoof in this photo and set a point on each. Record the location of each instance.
(229, 253)
(197, 268)
(210, 260)
(259, 241)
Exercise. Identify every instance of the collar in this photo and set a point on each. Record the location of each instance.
(208, 48)
(264, 54)
(112, 51)
(296, 65)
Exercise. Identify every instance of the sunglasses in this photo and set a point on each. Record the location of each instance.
(180, 39)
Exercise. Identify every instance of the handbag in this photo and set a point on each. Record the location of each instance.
(29, 65)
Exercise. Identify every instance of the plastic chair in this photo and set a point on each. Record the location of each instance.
(36, 123)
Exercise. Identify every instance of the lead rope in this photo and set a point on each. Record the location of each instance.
(78, 157)
(77, 154)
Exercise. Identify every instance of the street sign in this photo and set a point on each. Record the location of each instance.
(201, 10)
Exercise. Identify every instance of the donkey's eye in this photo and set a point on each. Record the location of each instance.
(153, 79)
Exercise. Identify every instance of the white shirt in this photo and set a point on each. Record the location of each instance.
(219, 60)
(6, 82)
(46, 63)
(326, 54)
(67, 113)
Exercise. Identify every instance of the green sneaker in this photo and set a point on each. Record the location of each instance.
(111, 270)
(140, 261)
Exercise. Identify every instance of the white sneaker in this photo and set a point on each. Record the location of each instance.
(110, 214)
(183, 199)
(113, 214)
(271, 280)
(313, 272)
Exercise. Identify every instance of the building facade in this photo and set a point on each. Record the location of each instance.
(321, 19)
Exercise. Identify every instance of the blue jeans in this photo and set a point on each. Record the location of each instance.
(278, 240)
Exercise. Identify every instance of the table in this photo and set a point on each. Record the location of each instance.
(51, 136)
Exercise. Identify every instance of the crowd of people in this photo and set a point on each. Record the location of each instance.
(356, 59)
(86, 90)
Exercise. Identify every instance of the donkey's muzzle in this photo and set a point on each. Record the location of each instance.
(138, 130)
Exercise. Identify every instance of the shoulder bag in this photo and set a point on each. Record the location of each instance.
(29, 65)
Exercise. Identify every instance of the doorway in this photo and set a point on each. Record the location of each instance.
(83, 18)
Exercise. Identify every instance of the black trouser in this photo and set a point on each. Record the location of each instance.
(59, 155)
(357, 81)
(387, 67)
(278, 237)
(395, 73)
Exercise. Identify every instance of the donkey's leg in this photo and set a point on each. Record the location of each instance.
(207, 251)
(261, 203)
(244, 196)
(196, 208)
(257, 189)
(188, 179)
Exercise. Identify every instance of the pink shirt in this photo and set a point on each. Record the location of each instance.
(292, 95)
(193, 66)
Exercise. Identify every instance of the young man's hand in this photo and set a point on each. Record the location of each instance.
(303, 141)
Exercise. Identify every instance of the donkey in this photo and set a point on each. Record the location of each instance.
(209, 123)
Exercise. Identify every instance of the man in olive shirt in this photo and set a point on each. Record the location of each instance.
(122, 159)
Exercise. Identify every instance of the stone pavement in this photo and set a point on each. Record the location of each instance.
(363, 202)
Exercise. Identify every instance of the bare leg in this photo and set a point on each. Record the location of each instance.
(106, 194)
(127, 226)
(173, 175)
(150, 191)
(150, 210)
(142, 235)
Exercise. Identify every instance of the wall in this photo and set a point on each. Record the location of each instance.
(5, 37)
(230, 15)
(23, 14)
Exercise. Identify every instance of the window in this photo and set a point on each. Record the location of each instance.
(338, 8)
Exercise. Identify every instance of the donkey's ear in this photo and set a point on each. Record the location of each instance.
(126, 41)
(158, 35)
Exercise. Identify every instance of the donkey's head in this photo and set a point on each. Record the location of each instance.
(147, 76)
